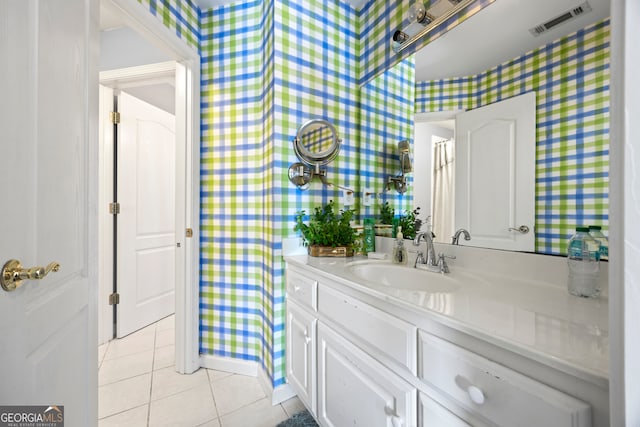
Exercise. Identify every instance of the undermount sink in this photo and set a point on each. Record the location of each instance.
(403, 277)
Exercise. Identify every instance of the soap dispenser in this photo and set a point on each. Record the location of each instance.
(399, 251)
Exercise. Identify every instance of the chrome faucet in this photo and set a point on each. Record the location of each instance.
(430, 261)
(456, 236)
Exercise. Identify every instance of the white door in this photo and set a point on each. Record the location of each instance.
(48, 178)
(495, 174)
(146, 235)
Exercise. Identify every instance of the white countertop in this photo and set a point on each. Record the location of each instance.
(538, 320)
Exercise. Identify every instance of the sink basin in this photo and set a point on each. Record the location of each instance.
(403, 277)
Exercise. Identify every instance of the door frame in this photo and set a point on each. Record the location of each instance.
(188, 160)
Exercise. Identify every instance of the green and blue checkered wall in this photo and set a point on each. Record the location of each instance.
(180, 16)
(571, 79)
(267, 66)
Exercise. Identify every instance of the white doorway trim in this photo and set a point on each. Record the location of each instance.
(187, 202)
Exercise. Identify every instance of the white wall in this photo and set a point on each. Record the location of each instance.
(124, 47)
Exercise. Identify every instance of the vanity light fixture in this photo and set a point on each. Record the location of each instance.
(400, 182)
(422, 21)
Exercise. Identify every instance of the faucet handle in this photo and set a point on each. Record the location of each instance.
(442, 263)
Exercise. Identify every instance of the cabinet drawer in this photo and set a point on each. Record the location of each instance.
(498, 394)
(303, 289)
(388, 334)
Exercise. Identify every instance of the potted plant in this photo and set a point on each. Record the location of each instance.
(386, 220)
(410, 223)
(328, 233)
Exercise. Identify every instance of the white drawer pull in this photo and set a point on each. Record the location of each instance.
(296, 288)
(475, 394)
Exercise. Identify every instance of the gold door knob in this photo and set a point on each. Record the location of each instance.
(12, 274)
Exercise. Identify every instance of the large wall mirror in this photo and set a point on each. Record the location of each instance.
(489, 59)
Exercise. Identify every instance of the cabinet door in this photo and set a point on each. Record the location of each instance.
(432, 414)
(356, 390)
(301, 354)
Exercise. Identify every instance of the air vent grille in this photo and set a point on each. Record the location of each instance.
(560, 19)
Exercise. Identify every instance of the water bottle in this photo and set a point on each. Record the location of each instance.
(584, 264)
(596, 233)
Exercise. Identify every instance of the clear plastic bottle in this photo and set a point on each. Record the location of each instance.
(584, 264)
(399, 251)
(596, 232)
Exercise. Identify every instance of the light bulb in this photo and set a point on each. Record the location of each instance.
(417, 12)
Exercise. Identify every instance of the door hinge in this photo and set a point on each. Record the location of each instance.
(189, 232)
(114, 117)
(114, 299)
(114, 208)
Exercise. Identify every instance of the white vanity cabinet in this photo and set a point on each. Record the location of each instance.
(355, 358)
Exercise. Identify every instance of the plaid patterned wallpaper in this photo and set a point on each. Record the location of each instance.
(267, 67)
(571, 80)
(232, 183)
(182, 16)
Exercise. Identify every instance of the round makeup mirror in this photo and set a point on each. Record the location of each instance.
(316, 143)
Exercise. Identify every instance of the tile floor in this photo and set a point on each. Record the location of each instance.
(139, 387)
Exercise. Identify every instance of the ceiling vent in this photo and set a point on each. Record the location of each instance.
(561, 19)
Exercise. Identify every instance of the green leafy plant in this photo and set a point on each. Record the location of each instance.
(410, 223)
(326, 227)
(386, 214)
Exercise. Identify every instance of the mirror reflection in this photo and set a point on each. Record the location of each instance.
(568, 69)
(317, 142)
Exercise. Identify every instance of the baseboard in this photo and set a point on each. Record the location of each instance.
(279, 394)
(228, 364)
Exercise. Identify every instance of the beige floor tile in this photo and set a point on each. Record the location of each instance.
(188, 408)
(164, 357)
(212, 423)
(123, 395)
(137, 342)
(165, 337)
(217, 375)
(113, 370)
(167, 382)
(168, 322)
(257, 414)
(136, 417)
(292, 406)
(234, 392)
